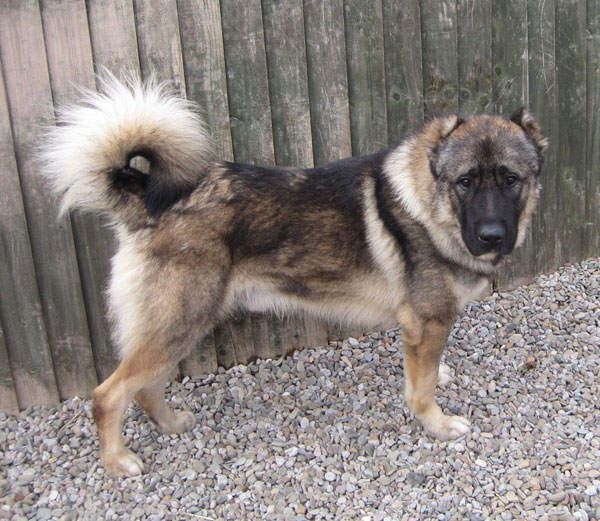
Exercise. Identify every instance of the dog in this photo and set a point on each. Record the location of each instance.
(410, 233)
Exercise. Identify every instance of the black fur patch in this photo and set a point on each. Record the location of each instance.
(161, 195)
(130, 180)
(281, 209)
(382, 190)
(158, 193)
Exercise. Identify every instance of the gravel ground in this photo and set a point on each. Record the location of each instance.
(325, 434)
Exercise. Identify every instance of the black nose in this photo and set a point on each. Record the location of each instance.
(491, 233)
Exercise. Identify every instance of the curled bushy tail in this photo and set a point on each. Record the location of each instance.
(87, 155)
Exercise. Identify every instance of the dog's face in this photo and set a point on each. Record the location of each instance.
(489, 168)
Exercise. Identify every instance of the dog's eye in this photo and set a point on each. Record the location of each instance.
(511, 179)
(465, 182)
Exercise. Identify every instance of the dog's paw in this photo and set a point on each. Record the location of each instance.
(442, 426)
(450, 427)
(444, 375)
(122, 464)
(181, 422)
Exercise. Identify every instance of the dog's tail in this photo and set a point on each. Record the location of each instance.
(87, 156)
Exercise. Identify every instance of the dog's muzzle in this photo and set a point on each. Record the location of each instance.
(491, 235)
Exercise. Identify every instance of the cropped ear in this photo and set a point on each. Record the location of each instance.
(531, 127)
(437, 131)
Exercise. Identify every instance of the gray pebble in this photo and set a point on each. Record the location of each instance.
(43, 514)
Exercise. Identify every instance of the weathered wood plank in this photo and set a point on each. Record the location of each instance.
(159, 44)
(288, 82)
(327, 80)
(20, 307)
(70, 65)
(571, 141)
(250, 113)
(290, 109)
(203, 359)
(592, 237)
(8, 396)
(206, 84)
(509, 44)
(242, 339)
(226, 355)
(475, 56)
(204, 68)
(314, 333)
(403, 68)
(113, 36)
(366, 75)
(114, 48)
(26, 79)
(328, 85)
(439, 41)
(542, 102)
(247, 84)
(509, 58)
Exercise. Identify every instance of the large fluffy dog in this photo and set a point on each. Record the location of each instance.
(410, 233)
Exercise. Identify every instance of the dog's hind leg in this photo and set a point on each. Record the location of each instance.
(142, 375)
(424, 343)
(160, 311)
(111, 398)
(152, 400)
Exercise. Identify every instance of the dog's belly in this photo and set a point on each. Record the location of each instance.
(365, 302)
(258, 297)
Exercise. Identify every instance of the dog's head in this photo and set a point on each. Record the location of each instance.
(489, 169)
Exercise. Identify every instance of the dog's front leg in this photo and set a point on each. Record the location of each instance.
(424, 343)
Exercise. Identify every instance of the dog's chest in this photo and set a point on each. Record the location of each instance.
(467, 291)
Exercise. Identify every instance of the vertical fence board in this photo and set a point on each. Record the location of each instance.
(250, 116)
(20, 308)
(225, 350)
(114, 48)
(159, 44)
(8, 397)
(403, 68)
(290, 109)
(542, 102)
(327, 80)
(592, 234)
(509, 44)
(240, 331)
(159, 49)
(510, 91)
(113, 34)
(328, 87)
(203, 359)
(475, 56)
(26, 79)
(366, 75)
(206, 84)
(439, 41)
(288, 82)
(571, 142)
(204, 67)
(69, 54)
(247, 83)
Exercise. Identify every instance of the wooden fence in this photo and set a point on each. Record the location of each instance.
(287, 82)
